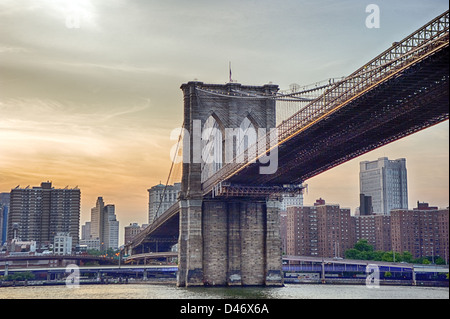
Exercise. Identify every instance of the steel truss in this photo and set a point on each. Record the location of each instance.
(392, 63)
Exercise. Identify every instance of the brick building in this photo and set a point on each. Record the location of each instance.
(376, 229)
(322, 230)
(325, 230)
(39, 213)
(422, 231)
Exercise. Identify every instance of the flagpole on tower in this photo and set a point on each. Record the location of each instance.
(229, 66)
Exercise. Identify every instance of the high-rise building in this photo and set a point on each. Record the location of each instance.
(39, 213)
(97, 219)
(386, 182)
(302, 237)
(376, 229)
(103, 225)
(86, 231)
(111, 228)
(4, 209)
(161, 197)
(422, 231)
(322, 230)
(365, 205)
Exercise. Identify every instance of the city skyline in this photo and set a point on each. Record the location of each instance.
(89, 92)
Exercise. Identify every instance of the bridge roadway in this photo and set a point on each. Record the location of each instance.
(401, 91)
(58, 258)
(162, 272)
(290, 263)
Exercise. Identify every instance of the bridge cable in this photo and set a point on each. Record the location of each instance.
(170, 172)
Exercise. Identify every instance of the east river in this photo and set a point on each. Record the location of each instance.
(154, 291)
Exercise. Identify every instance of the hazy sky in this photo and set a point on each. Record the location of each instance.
(89, 89)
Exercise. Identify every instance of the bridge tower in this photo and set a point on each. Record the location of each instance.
(225, 241)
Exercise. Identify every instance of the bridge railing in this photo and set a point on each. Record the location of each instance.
(432, 36)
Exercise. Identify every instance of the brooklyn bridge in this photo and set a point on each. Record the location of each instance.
(245, 146)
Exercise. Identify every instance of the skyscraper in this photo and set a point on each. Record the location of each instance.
(111, 228)
(97, 218)
(104, 225)
(386, 182)
(39, 213)
(4, 208)
(161, 197)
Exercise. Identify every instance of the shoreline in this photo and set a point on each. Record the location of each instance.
(333, 282)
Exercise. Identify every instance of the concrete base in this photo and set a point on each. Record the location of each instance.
(239, 244)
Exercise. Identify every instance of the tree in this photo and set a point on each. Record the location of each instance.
(407, 257)
(388, 256)
(378, 255)
(362, 250)
(363, 245)
(439, 261)
(352, 253)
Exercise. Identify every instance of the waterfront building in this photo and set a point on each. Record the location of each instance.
(62, 244)
(376, 229)
(322, 230)
(385, 181)
(423, 231)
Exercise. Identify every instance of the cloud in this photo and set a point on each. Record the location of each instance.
(94, 105)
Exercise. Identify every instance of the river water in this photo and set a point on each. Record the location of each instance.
(154, 291)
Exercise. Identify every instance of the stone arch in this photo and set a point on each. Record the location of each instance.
(212, 146)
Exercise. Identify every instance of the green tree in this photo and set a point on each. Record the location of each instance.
(407, 257)
(378, 255)
(388, 256)
(363, 245)
(352, 253)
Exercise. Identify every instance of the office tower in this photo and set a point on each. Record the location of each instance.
(86, 231)
(385, 181)
(161, 197)
(39, 213)
(111, 228)
(104, 225)
(4, 208)
(422, 231)
(365, 205)
(97, 219)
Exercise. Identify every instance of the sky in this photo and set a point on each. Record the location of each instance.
(90, 89)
